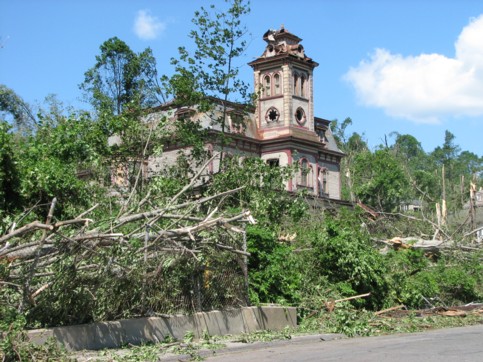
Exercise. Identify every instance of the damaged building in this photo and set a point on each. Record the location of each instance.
(281, 128)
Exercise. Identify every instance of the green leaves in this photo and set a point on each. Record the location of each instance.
(42, 165)
(12, 104)
(121, 79)
(10, 197)
(274, 275)
(219, 39)
(263, 191)
(346, 256)
(379, 180)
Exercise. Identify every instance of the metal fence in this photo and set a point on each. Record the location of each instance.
(212, 280)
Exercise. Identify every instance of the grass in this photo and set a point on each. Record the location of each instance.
(353, 323)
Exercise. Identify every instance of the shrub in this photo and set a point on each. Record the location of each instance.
(272, 268)
(345, 256)
(418, 283)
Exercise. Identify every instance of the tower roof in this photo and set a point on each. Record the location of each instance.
(282, 43)
(281, 35)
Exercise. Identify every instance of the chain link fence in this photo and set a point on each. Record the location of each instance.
(213, 279)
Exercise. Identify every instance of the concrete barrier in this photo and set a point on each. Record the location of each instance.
(114, 334)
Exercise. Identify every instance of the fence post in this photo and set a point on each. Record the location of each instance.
(245, 266)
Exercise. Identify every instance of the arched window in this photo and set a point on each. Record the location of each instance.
(276, 81)
(305, 171)
(267, 86)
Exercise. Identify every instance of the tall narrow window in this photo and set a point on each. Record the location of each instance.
(236, 122)
(304, 172)
(302, 86)
(295, 84)
(323, 176)
(268, 91)
(276, 80)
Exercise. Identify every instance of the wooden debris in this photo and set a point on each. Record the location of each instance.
(398, 243)
(374, 214)
(453, 313)
(397, 307)
(330, 305)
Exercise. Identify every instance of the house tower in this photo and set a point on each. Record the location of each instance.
(284, 82)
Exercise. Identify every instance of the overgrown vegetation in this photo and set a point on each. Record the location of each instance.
(335, 257)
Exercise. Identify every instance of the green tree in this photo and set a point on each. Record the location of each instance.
(408, 149)
(339, 131)
(351, 146)
(274, 269)
(48, 162)
(445, 158)
(379, 180)
(344, 255)
(121, 86)
(418, 167)
(121, 78)
(211, 71)
(219, 40)
(13, 105)
(447, 155)
(263, 189)
(9, 178)
(468, 164)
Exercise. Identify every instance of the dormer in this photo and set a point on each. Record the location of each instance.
(321, 128)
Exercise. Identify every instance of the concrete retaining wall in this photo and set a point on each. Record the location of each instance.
(114, 334)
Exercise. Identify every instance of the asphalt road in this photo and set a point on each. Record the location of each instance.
(462, 344)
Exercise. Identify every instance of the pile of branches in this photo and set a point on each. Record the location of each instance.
(121, 255)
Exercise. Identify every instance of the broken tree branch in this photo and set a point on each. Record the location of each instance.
(26, 289)
(150, 214)
(35, 225)
(397, 307)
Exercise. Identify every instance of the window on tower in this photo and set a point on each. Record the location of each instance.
(296, 84)
(276, 80)
(300, 116)
(267, 86)
(302, 86)
(272, 115)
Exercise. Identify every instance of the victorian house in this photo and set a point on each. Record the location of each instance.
(282, 128)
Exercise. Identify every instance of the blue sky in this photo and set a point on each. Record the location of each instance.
(406, 66)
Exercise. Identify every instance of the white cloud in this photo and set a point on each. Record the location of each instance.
(146, 26)
(426, 87)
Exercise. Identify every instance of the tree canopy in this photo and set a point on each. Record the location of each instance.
(121, 78)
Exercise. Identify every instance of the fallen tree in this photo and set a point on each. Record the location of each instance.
(133, 258)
